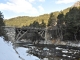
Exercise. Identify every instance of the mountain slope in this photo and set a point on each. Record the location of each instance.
(26, 20)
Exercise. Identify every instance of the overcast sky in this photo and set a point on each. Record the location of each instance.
(14, 8)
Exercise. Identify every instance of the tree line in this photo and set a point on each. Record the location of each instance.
(2, 30)
(37, 25)
(1, 23)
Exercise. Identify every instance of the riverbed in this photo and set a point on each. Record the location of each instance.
(10, 51)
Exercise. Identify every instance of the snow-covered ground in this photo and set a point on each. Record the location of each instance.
(74, 44)
(8, 53)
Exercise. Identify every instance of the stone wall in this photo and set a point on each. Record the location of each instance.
(10, 32)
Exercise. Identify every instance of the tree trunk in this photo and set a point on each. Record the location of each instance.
(75, 36)
(61, 35)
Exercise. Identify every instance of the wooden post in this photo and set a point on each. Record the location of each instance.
(45, 36)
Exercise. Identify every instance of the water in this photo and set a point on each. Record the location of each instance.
(52, 52)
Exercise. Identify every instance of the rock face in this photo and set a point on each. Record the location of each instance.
(77, 4)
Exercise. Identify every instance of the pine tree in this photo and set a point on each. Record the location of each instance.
(1, 23)
(52, 20)
(43, 24)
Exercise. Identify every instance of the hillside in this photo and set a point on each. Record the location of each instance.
(26, 20)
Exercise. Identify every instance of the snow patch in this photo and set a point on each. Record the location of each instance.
(7, 52)
(24, 55)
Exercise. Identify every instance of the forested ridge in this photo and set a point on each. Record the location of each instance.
(26, 20)
(21, 21)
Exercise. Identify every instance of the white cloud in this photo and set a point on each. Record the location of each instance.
(65, 1)
(42, 0)
(19, 6)
(41, 9)
(31, 1)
